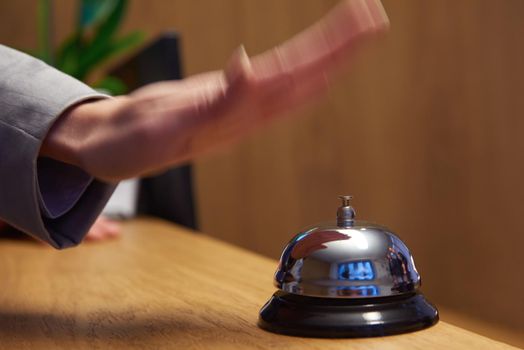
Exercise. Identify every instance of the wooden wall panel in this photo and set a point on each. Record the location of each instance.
(425, 129)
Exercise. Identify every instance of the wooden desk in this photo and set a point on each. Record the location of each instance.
(160, 287)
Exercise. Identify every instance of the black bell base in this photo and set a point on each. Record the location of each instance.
(304, 316)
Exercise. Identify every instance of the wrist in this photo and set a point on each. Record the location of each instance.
(65, 140)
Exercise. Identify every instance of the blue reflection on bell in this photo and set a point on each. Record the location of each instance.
(356, 271)
(332, 277)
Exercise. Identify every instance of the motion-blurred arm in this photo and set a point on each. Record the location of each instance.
(171, 122)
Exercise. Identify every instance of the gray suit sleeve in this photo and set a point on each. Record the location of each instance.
(32, 96)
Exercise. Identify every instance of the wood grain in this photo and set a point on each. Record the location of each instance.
(160, 287)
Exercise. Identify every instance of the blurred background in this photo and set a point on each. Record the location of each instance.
(426, 131)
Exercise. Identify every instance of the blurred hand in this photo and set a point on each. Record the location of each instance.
(103, 229)
(171, 122)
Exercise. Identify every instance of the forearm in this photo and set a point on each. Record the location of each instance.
(141, 133)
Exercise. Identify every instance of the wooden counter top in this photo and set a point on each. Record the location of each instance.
(160, 286)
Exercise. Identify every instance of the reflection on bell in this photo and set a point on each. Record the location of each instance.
(349, 279)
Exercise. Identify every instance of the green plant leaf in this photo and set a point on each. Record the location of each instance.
(68, 55)
(95, 51)
(93, 12)
(107, 29)
(97, 55)
(127, 42)
(44, 31)
(112, 85)
(84, 50)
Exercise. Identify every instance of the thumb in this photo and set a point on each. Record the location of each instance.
(239, 70)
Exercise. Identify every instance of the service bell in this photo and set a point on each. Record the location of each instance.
(349, 278)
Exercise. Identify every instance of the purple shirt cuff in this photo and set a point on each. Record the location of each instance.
(60, 186)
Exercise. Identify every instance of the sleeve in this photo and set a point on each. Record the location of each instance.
(52, 201)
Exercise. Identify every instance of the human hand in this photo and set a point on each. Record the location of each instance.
(168, 123)
(103, 229)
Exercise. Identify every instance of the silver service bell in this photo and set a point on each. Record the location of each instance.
(347, 279)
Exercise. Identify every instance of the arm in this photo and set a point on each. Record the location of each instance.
(169, 123)
(32, 97)
(45, 118)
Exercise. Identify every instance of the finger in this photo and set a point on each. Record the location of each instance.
(334, 37)
(111, 228)
(239, 70)
(321, 47)
(379, 14)
(103, 228)
(94, 234)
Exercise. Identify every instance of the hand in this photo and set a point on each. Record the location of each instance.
(169, 123)
(103, 229)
